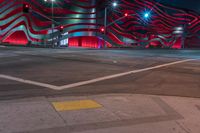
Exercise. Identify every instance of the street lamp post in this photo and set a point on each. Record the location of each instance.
(105, 21)
(52, 23)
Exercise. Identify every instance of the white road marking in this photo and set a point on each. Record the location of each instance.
(2, 46)
(120, 75)
(92, 80)
(29, 82)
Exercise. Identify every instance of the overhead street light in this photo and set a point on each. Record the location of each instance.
(114, 4)
(146, 15)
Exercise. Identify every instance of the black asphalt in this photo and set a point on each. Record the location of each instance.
(70, 65)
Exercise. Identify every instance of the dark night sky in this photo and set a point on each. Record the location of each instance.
(188, 4)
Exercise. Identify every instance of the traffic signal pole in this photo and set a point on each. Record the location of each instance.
(107, 25)
(26, 9)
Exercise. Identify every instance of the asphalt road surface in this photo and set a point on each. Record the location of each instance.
(34, 72)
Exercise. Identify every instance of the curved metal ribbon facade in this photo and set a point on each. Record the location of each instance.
(82, 20)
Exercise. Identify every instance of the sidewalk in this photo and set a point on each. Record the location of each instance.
(114, 113)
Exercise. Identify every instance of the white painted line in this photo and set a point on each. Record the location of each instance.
(90, 81)
(29, 82)
(2, 46)
(120, 75)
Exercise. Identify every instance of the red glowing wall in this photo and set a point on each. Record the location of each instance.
(82, 19)
(87, 42)
(17, 38)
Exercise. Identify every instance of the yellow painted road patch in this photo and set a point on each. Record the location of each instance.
(75, 105)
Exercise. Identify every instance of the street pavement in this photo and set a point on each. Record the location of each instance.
(99, 90)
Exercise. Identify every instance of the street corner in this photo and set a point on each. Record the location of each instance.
(25, 115)
(114, 110)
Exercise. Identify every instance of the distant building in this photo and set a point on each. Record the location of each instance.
(82, 22)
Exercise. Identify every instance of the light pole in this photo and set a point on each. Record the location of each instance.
(52, 23)
(105, 15)
(105, 20)
(52, 20)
